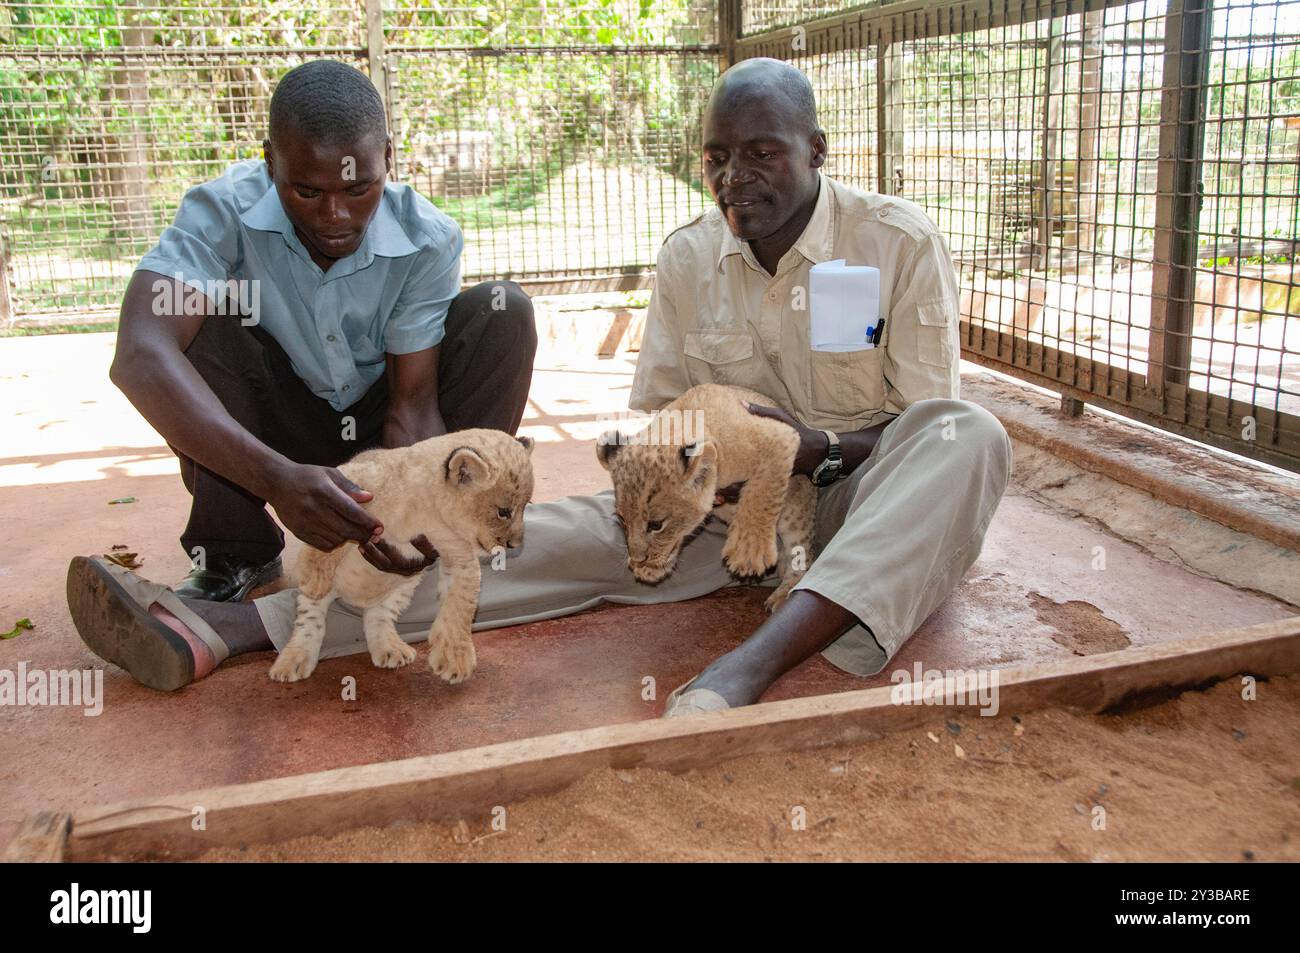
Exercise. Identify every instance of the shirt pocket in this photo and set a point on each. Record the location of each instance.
(933, 333)
(723, 356)
(847, 384)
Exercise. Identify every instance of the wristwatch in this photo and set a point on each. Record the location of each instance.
(829, 470)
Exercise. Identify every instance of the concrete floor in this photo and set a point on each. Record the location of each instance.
(73, 443)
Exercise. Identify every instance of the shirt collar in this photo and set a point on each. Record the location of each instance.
(815, 244)
(384, 235)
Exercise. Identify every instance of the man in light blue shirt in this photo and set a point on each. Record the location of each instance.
(301, 309)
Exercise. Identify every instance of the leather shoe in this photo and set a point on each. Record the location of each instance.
(227, 579)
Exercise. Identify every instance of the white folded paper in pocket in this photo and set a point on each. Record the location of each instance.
(845, 305)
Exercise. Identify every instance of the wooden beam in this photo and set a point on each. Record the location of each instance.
(460, 784)
(40, 839)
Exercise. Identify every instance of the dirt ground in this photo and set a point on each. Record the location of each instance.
(1208, 776)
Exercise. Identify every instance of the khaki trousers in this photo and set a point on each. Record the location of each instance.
(893, 539)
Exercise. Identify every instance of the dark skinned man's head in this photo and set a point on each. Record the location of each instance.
(762, 150)
(329, 154)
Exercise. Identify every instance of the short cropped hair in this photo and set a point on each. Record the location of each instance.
(328, 102)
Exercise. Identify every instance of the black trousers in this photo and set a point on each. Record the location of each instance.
(485, 367)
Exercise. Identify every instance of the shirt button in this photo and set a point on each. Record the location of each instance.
(771, 296)
(884, 211)
(329, 337)
(347, 386)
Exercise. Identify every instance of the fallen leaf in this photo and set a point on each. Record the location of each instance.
(17, 629)
(958, 751)
(1020, 730)
(122, 499)
(932, 736)
(125, 560)
(118, 546)
(460, 834)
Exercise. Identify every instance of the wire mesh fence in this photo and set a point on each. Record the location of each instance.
(1117, 179)
(562, 137)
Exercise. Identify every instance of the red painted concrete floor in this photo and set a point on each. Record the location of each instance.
(73, 444)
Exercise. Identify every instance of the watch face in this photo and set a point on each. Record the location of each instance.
(825, 475)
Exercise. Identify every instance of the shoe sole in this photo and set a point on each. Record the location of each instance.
(119, 631)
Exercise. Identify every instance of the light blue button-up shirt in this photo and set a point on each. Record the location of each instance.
(389, 296)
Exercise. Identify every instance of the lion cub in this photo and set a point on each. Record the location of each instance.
(465, 491)
(664, 487)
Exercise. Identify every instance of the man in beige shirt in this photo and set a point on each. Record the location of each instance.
(910, 474)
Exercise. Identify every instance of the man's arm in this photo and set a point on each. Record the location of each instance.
(413, 412)
(660, 366)
(922, 344)
(318, 504)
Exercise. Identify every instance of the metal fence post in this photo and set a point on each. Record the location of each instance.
(378, 61)
(6, 302)
(729, 28)
(1178, 191)
(1051, 133)
(889, 111)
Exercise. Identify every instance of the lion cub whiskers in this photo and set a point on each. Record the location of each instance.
(466, 492)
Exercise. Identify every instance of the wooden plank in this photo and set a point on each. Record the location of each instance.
(460, 784)
(40, 839)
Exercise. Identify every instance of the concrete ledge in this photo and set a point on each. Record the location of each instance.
(1245, 497)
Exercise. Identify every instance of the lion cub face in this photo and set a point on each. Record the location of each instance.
(662, 494)
(491, 482)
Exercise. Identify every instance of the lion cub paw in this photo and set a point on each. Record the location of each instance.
(749, 554)
(453, 659)
(295, 663)
(778, 596)
(394, 653)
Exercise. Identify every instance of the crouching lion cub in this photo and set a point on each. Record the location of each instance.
(465, 491)
(664, 487)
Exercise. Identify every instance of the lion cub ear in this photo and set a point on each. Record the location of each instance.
(607, 445)
(526, 443)
(699, 458)
(465, 467)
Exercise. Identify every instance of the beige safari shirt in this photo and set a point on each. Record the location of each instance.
(716, 316)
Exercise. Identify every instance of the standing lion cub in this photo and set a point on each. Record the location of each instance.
(664, 487)
(465, 491)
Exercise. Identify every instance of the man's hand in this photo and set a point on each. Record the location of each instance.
(384, 556)
(322, 507)
(813, 444)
